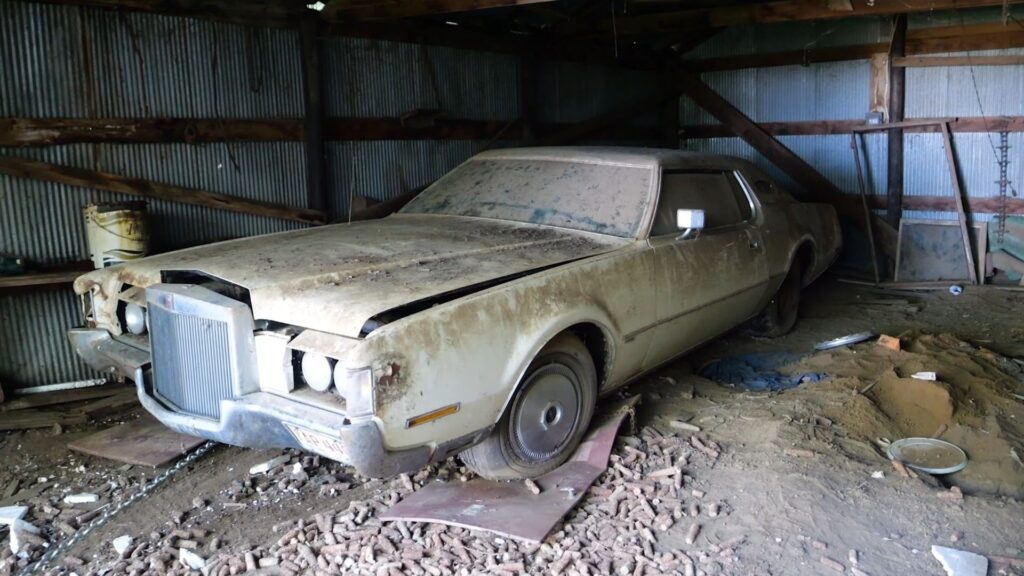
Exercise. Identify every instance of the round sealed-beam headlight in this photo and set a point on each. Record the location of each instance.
(135, 318)
(317, 371)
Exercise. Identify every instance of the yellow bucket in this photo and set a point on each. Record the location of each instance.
(116, 232)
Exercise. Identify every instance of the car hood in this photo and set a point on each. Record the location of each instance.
(334, 278)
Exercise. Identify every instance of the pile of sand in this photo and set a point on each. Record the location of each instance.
(976, 402)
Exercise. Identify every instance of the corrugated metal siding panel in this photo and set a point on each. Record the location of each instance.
(142, 65)
(829, 154)
(387, 169)
(963, 91)
(35, 348)
(833, 91)
(787, 36)
(574, 92)
(372, 78)
(926, 174)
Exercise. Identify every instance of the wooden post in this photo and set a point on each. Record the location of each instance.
(855, 144)
(958, 194)
(312, 89)
(897, 82)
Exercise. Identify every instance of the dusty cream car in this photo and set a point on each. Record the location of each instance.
(485, 318)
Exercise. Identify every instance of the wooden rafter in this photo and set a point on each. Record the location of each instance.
(72, 176)
(765, 12)
(391, 9)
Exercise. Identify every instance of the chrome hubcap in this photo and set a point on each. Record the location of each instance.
(547, 412)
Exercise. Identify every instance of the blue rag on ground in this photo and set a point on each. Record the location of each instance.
(758, 371)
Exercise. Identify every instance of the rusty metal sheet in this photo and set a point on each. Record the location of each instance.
(143, 442)
(509, 508)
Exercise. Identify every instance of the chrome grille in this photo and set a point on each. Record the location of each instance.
(202, 345)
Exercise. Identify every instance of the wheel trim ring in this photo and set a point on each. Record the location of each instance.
(551, 387)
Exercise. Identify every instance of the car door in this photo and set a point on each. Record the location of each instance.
(707, 284)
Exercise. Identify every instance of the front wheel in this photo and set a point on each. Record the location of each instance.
(547, 417)
(779, 317)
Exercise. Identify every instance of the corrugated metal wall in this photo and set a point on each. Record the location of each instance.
(60, 61)
(839, 91)
(372, 78)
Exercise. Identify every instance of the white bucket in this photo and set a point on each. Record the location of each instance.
(116, 232)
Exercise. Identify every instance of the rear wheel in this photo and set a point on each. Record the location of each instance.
(779, 317)
(547, 417)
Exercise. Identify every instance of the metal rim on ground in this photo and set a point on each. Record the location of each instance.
(844, 340)
(897, 448)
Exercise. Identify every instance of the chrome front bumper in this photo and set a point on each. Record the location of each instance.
(255, 419)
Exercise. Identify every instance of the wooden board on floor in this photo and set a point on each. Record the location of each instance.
(143, 442)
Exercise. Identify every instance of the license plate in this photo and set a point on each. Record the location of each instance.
(320, 443)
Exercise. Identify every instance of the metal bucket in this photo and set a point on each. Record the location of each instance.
(116, 232)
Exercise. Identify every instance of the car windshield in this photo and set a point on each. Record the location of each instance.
(600, 198)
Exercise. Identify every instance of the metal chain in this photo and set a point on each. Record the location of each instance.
(57, 550)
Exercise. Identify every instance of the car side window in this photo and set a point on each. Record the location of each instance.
(717, 192)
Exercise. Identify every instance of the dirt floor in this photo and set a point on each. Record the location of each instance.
(798, 478)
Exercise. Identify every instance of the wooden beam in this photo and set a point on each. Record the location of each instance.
(921, 41)
(897, 103)
(958, 198)
(932, 61)
(978, 124)
(313, 121)
(44, 131)
(272, 13)
(390, 9)
(975, 205)
(39, 279)
(765, 12)
(47, 131)
(816, 185)
(71, 176)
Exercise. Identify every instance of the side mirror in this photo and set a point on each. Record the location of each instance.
(689, 222)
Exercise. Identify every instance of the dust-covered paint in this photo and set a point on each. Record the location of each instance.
(493, 292)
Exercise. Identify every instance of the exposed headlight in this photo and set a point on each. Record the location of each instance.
(135, 318)
(317, 371)
(356, 386)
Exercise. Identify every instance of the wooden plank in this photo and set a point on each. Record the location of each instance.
(26, 419)
(975, 205)
(388, 9)
(61, 397)
(41, 279)
(777, 153)
(958, 196)
(932, 61)
(763, 12)
(47, 131)
(273, 13)
(921, 41)
(827, 127)
(39, 131)
(142, 442)
(897, 104)
(878, 85)
(71, 176)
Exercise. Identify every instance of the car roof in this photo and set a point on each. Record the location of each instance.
(615, 155)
